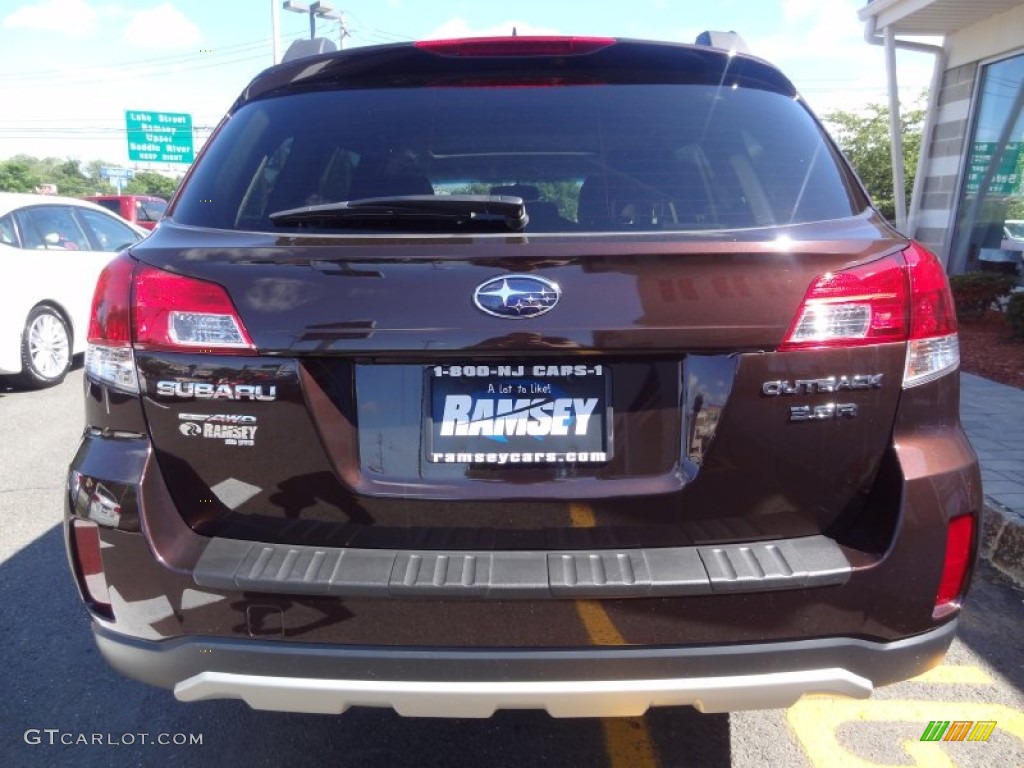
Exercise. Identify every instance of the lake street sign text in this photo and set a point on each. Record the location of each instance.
(159, 137)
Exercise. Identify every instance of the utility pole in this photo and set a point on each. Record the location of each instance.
(275, 30)
(319, 10)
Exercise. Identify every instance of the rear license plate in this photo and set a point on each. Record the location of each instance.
(518, 414)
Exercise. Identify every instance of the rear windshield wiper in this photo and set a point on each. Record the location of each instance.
(432, 211)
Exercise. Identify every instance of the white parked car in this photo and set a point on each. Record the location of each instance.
(52, 249)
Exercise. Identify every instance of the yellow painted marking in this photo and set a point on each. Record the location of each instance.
(926, 753)
(582, 515)
(816, 723)
(597, 623)
(627, 741)
(949, 674)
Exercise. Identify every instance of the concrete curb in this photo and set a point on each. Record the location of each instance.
(1003, 539)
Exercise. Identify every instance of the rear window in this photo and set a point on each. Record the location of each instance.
(114, 206)
(149, 210)
(608, 157)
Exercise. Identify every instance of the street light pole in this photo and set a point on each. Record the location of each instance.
(318, 10)
(275, 30)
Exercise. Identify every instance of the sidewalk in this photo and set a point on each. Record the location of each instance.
(993, 417)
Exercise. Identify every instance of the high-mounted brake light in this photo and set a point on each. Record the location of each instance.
(955, 564)
(902, 297)
(179, 313)
(516, 46)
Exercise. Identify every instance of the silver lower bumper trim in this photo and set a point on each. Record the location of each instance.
(589, 698)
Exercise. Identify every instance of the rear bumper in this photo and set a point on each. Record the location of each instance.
(596, 682)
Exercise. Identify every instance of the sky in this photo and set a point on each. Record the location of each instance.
(70, 69)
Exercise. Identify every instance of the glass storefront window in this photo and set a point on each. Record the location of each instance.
(990, 222)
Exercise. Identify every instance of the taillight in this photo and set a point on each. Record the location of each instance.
(515, 46)
(108, 357)
(955, 565)
(934, 347)
(863, 305)
(136, 305)
(110, 321)
(902, 297)
(178, 313)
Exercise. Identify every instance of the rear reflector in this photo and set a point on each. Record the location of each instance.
(85, 542)
(959, 547)
(903, 297)
(174, 312)
(516, 46)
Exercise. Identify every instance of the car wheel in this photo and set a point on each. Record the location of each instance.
(45, 349)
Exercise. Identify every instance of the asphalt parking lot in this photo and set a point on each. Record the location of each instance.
(62, 705)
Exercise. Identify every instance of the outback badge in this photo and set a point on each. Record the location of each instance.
(517, 297)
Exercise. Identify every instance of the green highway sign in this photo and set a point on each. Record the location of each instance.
(159, 137)
(1006, 179)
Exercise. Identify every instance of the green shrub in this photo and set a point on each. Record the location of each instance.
(1015, 313)
(975, 292)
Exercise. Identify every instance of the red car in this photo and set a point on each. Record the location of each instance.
(142, 210)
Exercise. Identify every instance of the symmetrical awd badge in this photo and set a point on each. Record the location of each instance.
(517, 297)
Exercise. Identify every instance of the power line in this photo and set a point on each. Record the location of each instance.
(212, 59)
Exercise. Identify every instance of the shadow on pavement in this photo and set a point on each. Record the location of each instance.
(56, 679)
(9, 385)
(993, 623)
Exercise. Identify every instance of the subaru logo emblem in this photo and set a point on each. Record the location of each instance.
(517, 296)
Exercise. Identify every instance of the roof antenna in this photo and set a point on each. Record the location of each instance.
(514, 33)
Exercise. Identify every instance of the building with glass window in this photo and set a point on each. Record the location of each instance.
(968, 200)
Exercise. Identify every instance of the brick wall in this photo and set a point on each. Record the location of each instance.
(947, 144)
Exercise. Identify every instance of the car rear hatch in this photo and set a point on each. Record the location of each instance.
(705, 343)
(681, 423)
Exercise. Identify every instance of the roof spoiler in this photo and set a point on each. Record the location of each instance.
(726, 41)
(300, 49)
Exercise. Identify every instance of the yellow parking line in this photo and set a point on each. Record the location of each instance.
(598, 625)
(582, 515)
(950, 674)
(627, 740)
(817, 723)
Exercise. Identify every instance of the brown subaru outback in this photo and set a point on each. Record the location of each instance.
(563, 373)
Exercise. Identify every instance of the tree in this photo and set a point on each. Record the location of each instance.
(68, 176)
(150, 183)
(16, 175)
(23, 173)
(864, 138)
